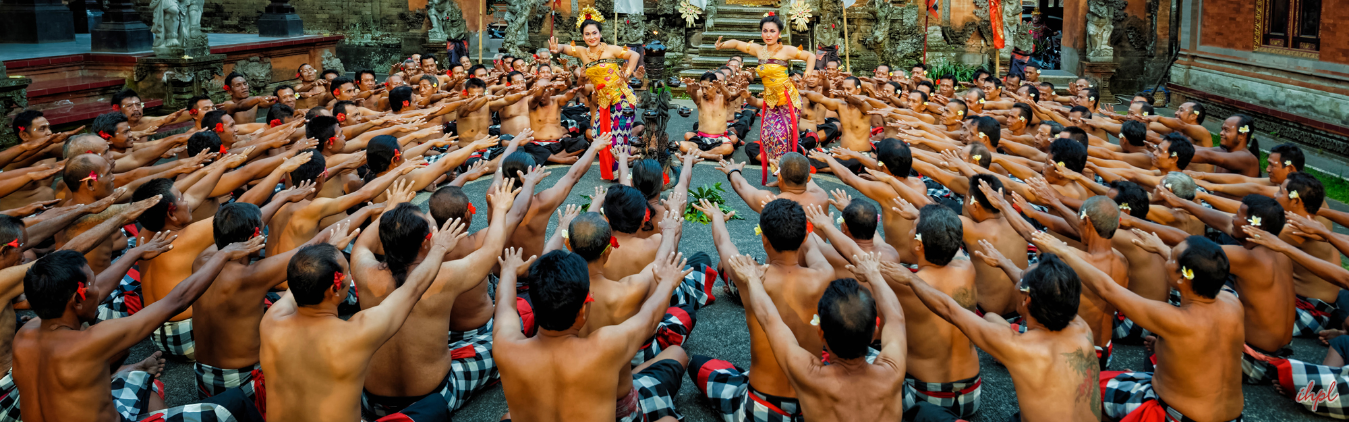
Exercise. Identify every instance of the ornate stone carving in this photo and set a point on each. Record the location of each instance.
(452, 21)
(831, 33)
(1099, 26)
(897, 36)
(516, 42)
(177, 27)
(257, 70)
(330, 61)
(435, 13)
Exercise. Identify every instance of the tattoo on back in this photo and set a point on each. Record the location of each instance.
(965, 298)
(1089, 391)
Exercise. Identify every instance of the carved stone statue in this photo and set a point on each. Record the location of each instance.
(452, 21)
(516, 42)
(257, 70)
(1099, 27)
(177, 26)
(435, 13)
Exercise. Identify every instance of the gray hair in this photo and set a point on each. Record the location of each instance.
(1180, 184)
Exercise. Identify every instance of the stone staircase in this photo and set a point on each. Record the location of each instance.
(732, 22)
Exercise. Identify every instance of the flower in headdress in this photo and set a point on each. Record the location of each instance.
(1244, 129)
(1187, 273)
(816, 320)
(758, 231)
(1292, 194)
(1254, 220)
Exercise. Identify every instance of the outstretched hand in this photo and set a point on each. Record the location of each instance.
(161, 242)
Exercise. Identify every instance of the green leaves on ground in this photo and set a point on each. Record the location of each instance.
(712, 194)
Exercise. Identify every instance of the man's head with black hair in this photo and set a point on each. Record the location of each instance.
(171, 211)
(794, 169)
(1134, 132)
(1024, 115)
(315, 169)
(648, 177)
(938, 235)
(346, 112)
(280, 114)
(221, 123)
(1068, 153)
(560, 283)
(13, 237)
(985, 130)
(1076, 134)
(1089, 98)
(1142, 109)
(313, 272)
(896, 156)
(979, 154)
(1284, 159)
(315, 112)
(1176, 153)
(429, 84)
(30, 125)
(516, 163)
(401, 98)
(366, 80)
(1200, 263)
(1261, 211)
(203, 141)
(1103, 214)
(627, 209)
(128, 103)
(847, 318)
(918, 100)
(1078, 112)
(1302, 190)
(114, 128)
(236, 222)
(403, 231)
(783, 223)
(383, 153)
(1030, 91)
(285, 95)
(478, 71)
(860, 219)
(956, 110)
(236, 85)
(1055, 291)
(590, 236)
(979, 206)
(198, 105)
(1132, 199)
(59, 282)
(1191, 112)
(449, 203)
(328, 132)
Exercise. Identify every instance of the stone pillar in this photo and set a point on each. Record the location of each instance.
(121, 30)
(87, 13)
(1100, 73)
(35, 22)
(280, 20)
(13, 94)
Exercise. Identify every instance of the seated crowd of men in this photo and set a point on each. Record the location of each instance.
(283, 257)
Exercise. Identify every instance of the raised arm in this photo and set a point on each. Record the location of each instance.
(791, 358)
(735, 176)
(1156, 316)
(376, 324)
(122, 333)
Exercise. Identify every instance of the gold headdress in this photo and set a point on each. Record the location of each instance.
(588, 12)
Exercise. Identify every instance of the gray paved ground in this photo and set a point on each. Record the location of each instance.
(721, 331)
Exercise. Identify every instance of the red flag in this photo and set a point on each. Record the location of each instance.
(932, 7)
(995, 20)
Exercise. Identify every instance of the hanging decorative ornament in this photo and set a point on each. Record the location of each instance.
(800, 15)
(689, 12)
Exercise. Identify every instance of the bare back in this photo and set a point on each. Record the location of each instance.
(938, 351)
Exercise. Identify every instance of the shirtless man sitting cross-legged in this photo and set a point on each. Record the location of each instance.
(848, 388)
(62, 368)
(316, 362)
(766, 392)
(559, 375)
